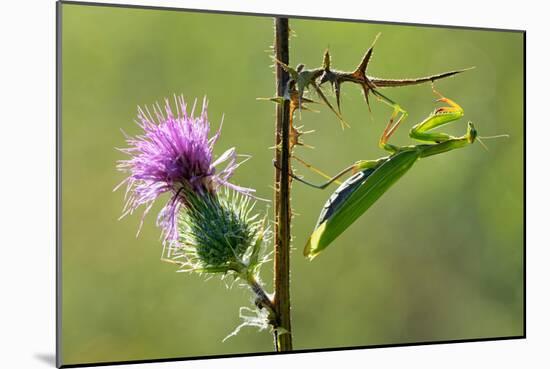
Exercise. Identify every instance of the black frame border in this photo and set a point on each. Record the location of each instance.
(58, 194)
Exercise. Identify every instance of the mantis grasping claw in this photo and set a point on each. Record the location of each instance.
(372, 178)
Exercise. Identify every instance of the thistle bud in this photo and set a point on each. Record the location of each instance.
(218, 233)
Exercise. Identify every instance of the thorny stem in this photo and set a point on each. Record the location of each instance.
(281, 299)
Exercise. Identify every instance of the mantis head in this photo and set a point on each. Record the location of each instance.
(471, 133)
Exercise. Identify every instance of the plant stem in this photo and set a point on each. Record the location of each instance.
(261, 297)
(281, 299)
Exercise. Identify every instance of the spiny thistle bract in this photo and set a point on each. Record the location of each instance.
(219, 234)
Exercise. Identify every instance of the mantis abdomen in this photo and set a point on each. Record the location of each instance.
(354, 197)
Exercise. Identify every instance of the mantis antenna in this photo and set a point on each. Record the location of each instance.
(481, 138)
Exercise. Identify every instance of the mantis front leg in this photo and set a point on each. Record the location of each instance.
(438, 118)
(441, 142)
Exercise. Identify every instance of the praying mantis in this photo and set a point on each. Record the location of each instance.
(372, 178)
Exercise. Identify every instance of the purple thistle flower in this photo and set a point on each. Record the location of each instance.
(174, 155)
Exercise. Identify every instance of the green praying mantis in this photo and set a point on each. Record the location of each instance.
(372, 178)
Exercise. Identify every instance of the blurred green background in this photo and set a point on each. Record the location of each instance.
(439, 257)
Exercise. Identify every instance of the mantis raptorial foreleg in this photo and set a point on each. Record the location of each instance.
(439, 117)
(422, 131)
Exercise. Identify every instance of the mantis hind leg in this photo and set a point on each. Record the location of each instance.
(318, 171)
(354, 168)
(322, 186)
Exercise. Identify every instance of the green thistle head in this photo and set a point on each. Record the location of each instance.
(219, 234)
